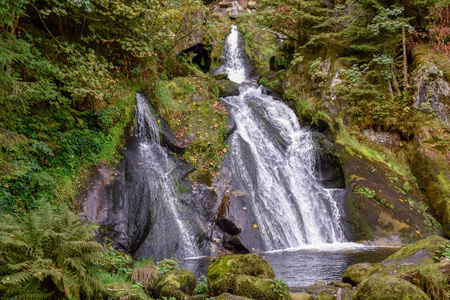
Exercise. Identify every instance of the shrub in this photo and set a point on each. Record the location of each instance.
(47, 254)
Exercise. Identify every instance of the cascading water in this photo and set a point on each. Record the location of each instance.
(273, 163)
(155, 180)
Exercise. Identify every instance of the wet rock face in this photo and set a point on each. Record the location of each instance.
(379, 202)
(432, 92)
(234, 8)
(328, 167)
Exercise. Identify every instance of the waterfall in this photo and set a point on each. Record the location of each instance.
(273, 163)
(156, 183)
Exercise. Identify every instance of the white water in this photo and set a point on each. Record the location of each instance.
(273, 163)
(158, 176)
(233, 65)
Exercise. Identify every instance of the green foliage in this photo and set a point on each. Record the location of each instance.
(202, 286)
(371, 194)
(48, 254)
(280, 288)
(166, 265)
(443, 252)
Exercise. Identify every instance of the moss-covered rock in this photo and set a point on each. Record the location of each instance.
(176, 284)
(260, 288)
(123, 291)
(433, 174)
(422, 251)
(227, 88)
(355, 274)
(223, 272)
(381, 200)
(227, 296)
(300, 296)
(325, 296)
(379, 287)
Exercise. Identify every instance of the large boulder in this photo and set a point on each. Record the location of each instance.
(379, 287)
(247, 275)
(176, 284)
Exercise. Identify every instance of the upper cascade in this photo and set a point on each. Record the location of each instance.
(273, 163)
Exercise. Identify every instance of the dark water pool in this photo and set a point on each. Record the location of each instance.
(303, 267)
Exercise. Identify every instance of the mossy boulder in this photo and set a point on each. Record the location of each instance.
(176, 284)
(300, 296)
(379, 287)
(260, 288)
(422, 251)
(227, 296)
(118, 290)
(223, 272)
(227, 88)
(355, 274)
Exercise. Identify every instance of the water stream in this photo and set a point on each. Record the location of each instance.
(156, 183)
(273, 163)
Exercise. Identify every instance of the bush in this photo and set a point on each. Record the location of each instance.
(47, 254)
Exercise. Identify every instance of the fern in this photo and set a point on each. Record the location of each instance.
(47, 254)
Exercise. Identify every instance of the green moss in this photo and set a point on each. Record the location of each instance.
(373, 152)
(430, 244)
(223, 271)
(191, 107)
(355, 274)
(177, 284)
(379, 287)
(120, 290)
(260, 288)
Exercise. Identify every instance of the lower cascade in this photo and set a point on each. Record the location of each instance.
(273, 164)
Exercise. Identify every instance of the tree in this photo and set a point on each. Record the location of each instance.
(48, 255)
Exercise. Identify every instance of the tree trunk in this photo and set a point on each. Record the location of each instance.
(405, 60)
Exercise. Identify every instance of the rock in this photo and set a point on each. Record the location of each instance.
(223, 272)
(379, 287)
(390, 140)
(148, 276)
(434, 177)
(422, 251)
(221, 77)
(320, 283)
(342, 285)
(300, 296)
(315, 291)
(234, 244)
(228, 226)
(260, 288)
(252, 4)
(277, 63)
(325, 296)
(327, 166)
(227, 88)
(355, 274)
(227, 296)
(432, 92)
(177, 284)
(378, 201)
(225, 4)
